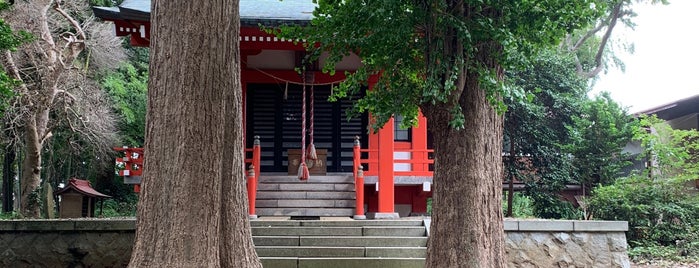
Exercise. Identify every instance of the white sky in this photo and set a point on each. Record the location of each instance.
(663, 67)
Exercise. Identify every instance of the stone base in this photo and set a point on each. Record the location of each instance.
(382, 215)
(359, 217)
(252, 217)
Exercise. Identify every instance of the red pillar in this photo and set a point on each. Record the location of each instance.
(386, 174)
(420, 143)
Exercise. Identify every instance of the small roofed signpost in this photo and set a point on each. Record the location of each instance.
(78, 199)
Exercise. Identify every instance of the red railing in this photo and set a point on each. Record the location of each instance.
(253, 173)
(419, 162)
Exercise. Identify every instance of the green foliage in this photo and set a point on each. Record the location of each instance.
(549, 206)
(659, 212)
(535, 124)
(422, 49)
(128, 90)
(662, 211)
(598, 135)
(522, 206)
(9, 40)
(119, 208)
(10, 215)
(674, 153)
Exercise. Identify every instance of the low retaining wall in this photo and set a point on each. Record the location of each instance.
(539, 243)
(107, 243)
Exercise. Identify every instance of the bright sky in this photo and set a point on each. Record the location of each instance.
(664, 66)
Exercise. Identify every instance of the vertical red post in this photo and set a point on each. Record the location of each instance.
(359, 188)
(256, 157)
(386, 173)
(252, 176)
(252, 192)
(420, 144)
(358, 172)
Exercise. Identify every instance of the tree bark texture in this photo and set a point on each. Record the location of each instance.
(467, 228)
(467, 222)
(193, 210)
(30, 181)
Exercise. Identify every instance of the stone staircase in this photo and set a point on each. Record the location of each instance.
(327, 195)
(340, 243)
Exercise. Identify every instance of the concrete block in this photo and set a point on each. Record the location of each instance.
(275, 240)
(396, 252)
(280, 195)
(266, 203)
(306, 187)
(265, 221)
(344, 203)
(268, 187)
(274, 251)
(361, 262)
(365, 241)
(601, 226)
(330, 195)
(106, 225)
(300, 203)
(364, 223)
(545, 225)
(344, 187)
(45, 225)
(510, 225)
(7, 225)
(404, 231)
(279, 262)
(306, 231)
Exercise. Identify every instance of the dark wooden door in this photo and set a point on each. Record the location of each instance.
(274, 114)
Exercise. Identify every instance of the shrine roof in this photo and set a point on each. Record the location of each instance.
(252, 12)
(81, 186)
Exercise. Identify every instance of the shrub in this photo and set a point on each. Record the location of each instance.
(659, 212)
(522, 205)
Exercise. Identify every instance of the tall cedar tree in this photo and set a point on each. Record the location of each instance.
(193, 210)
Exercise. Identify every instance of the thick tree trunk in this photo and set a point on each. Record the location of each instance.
(192, 211)
(30, 205)
(467, 228)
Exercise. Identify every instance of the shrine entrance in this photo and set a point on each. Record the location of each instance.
(274, 114)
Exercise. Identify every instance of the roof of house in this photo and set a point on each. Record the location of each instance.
(252, 12)
(81, 186)
(674, 109)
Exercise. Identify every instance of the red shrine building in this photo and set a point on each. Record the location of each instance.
(390, 169)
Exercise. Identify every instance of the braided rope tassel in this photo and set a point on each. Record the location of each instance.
(303, 173)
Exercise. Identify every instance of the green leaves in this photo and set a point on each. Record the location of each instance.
(127, 89)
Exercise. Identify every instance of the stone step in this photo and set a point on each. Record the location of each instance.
(292, 262)
(382, 252)
(364, 241)
(306, 231)
(312, 179)
(327, 212)
(260, 222)
(345, 187)
(303, 203)
(347, 195)
(402, 231)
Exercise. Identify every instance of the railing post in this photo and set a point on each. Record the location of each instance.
(359, 189)
(256, 157)
(252, 191)
(356, 157)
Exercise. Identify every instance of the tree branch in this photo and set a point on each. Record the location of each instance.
(614, 17)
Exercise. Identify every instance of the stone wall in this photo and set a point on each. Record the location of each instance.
(535, 243)
(107, 243)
